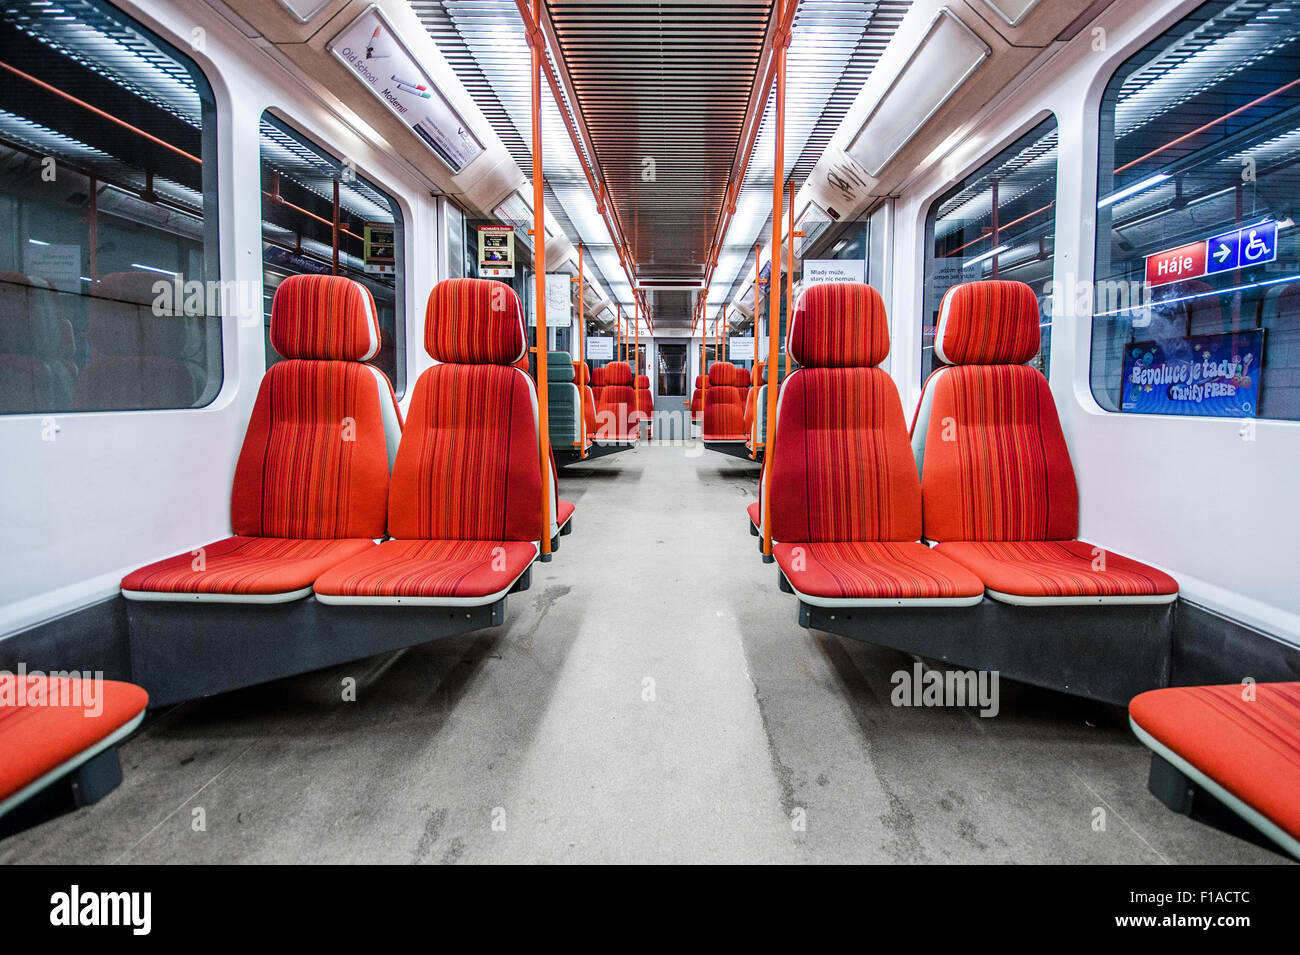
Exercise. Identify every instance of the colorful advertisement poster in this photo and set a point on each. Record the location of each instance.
(1205, 375)
(496, 252)
(379, 248)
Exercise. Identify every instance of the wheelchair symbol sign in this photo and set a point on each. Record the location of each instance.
(1242, 249)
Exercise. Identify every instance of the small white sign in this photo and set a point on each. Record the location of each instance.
(60, 265)
(599, 348)
(821, 271)
(740, 349)
(559, 301)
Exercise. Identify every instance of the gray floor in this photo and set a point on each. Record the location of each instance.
(650, 699)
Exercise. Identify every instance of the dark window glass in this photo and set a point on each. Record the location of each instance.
(305, 192)
(1196, 297)
(110, 297)
(999, 222)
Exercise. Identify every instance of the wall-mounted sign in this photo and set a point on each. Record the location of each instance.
(370, 48)
(1207, 375)
(599, 348)
(740, 349)
(379, 248)
(1239, 249)
(496, 252)
(559, 301)
(820, 271)
(60, 265)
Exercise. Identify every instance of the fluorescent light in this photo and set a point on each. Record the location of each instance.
(987, 255)
(150, 268)
(37, 242)
(1132, 190)
(942, 61)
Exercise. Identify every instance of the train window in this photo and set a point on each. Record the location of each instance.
(999, 222)
(1196, 293)
(319, 215)
(110, 297)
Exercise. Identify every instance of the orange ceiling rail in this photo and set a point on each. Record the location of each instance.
(540, 33)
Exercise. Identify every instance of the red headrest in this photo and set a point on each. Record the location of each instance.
(699, 381)
(325, 317)
(643, 382)
(722, 373)
(760, 373)
(618, 373)
(581, 374)
(598, 377)
(839, 325)
(988, 323)
(474, 322)
(742, 377)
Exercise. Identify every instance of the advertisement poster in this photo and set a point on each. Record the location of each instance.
(1205, 375)
(599, 348)
(379, 248)
(496, 252)
(371, 50)
(820, 271)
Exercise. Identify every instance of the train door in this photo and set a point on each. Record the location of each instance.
(672, 378)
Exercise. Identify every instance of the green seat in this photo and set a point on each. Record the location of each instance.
(564, 404)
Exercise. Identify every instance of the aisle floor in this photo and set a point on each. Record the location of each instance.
(650, 699)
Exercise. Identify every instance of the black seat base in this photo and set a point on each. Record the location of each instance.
(185, 650)
(734, 449)
(1173, 788)
(1105, 653)
(568, 458)
(87, 784)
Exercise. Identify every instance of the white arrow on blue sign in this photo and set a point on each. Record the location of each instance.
(1242, 249)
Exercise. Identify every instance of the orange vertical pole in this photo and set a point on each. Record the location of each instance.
(539, 289)
(580, 340)
(789, 274)
(773, 319)
(636, 349)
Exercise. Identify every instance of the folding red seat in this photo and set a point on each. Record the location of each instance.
(465, 506)
(723, 405)
(597, 382)
(616, 414)
(697, 400)
(645, 402)
(311, 482)
(59, 728)
(998, 488)
(1238, 743)
(583, 381)
(845, 498)
(139, 359)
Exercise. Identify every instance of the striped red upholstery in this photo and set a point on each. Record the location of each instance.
(406, 569)
(616, 405)
(1057, 569)
(581, 374)
(645, 402)
(843, 470)
(874, 570)
(751, 396)
(467, 467)
(839, 325)
(996, 466)
(1250, 747)
(315, 461)
(845, 499)
(324, 317)
(724, 405)
(474, 321)
(311, 481)
(988, 323)
(245, 567)
(742, 378)
(45, 722)
(697, 399)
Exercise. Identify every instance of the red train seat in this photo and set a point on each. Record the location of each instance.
(998, 488)
(1240, 743)
(52, 727)
(465, 501)
(616, 414)
(311, 481)
(845, 497)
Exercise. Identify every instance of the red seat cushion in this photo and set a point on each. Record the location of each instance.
(891, 571)
(411, 570)
(245, 567)
(616, 405)
(563, 511)
(37, 738)
(1060, 570)
(724, 405)
(1249, 747)
(755, 512)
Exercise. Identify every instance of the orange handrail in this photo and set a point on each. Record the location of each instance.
(539, 280)
(774, 320)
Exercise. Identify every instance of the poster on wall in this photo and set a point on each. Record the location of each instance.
(496, 252)
(820, 271)
(379, 248)
(60, 265)
(599, 348)
(740, 349)
(559, 301)
(375, 55)
(1205, 375)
